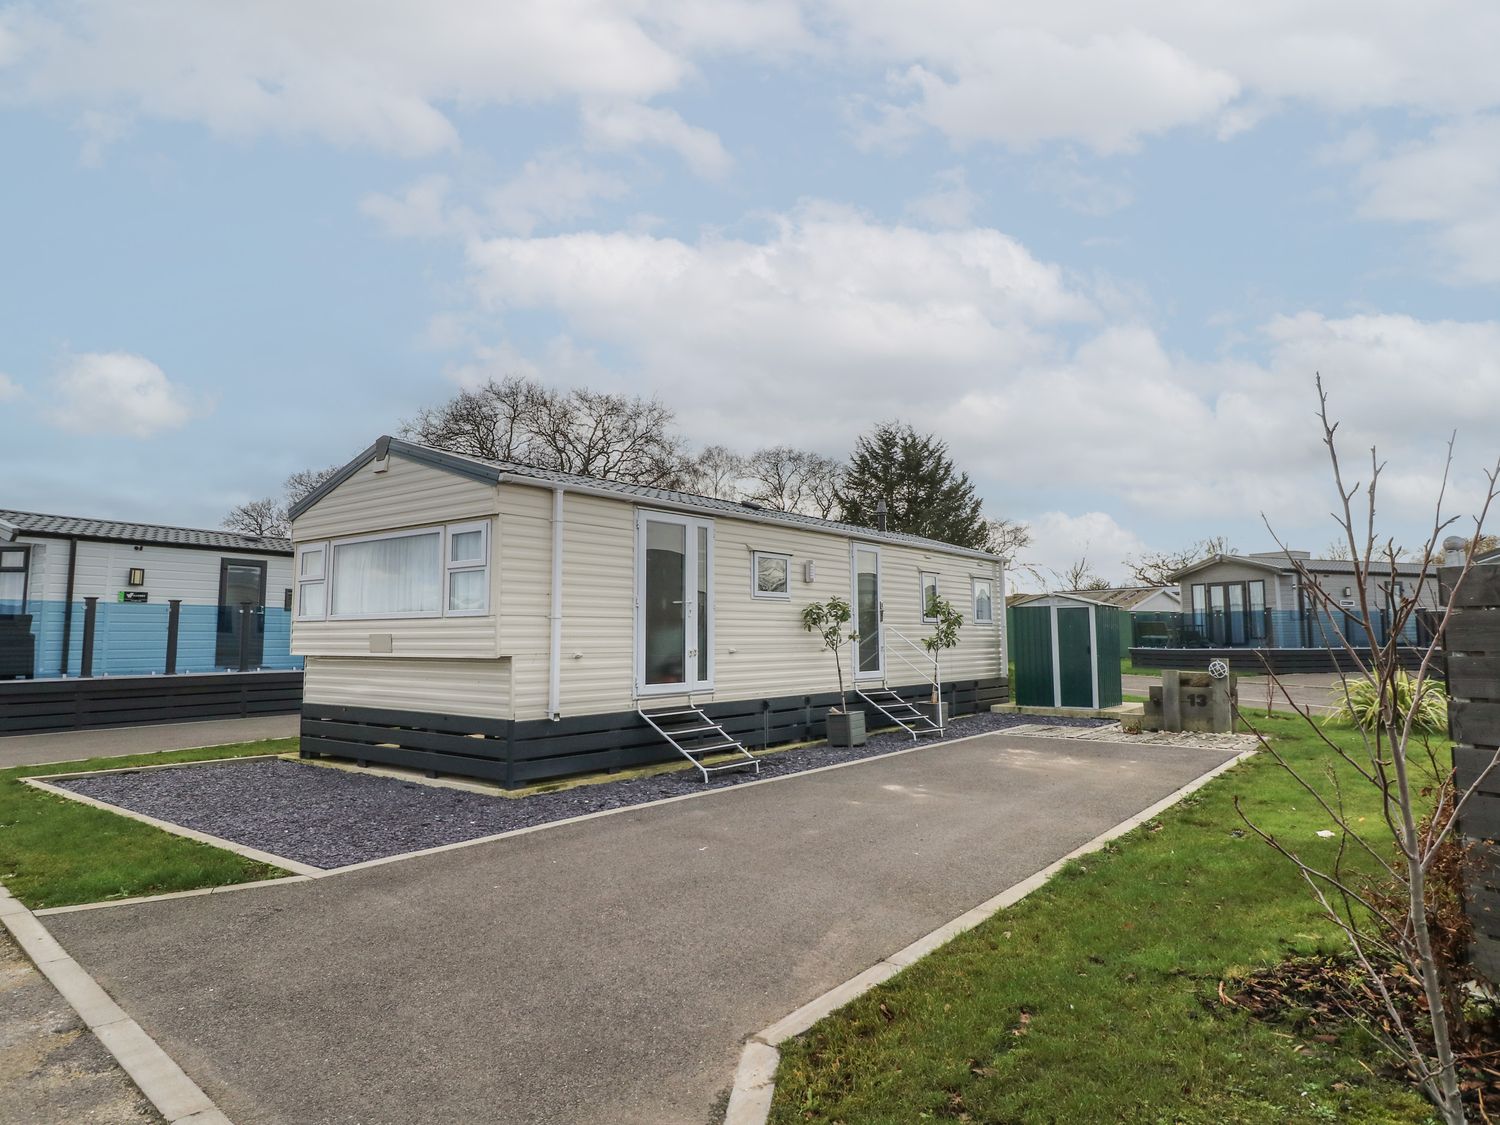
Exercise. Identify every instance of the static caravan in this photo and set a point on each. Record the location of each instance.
(67, 579)
(494, 620)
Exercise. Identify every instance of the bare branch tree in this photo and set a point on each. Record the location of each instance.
(591, 433)
(270, 516)
(791, 480)
(1392, 925)
(1008, 537)
(717, 472)
(1076, 575)
(1156, 568)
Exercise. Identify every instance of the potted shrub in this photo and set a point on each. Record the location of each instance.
(827, 619)
(946, 623)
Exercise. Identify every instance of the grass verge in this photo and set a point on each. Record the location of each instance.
(57, 852)
(1096, 999)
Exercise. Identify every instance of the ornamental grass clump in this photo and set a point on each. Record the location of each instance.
(1360, 703)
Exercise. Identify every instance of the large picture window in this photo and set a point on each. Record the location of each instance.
(431, 572)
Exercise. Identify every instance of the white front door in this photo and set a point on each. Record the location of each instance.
(673, 604)
(869, 650)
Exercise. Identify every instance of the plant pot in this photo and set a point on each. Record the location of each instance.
(846, 729)
(935, 712)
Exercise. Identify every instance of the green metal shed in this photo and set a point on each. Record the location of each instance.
(1067, 652)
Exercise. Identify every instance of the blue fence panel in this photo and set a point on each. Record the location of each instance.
(131, 638)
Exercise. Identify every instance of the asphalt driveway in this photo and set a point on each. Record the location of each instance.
(604, 971)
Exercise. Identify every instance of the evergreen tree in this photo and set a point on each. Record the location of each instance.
(924, 492)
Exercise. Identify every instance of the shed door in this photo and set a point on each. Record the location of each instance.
(1075, 657)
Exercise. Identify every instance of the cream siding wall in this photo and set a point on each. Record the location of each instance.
(406, 495)
(445, 687)
(760, 648)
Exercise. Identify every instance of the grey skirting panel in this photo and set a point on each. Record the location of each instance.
(1283, 661)
(518, 753)
(39, 706)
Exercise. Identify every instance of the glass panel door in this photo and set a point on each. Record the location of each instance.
(674, 617)
(869, 661)
(1236, 623)
(241, 637)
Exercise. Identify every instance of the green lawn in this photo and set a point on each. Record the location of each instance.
(57, 852)
(1095, 999)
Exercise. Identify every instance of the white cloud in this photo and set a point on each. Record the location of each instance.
(551, 189)
(421, 211)
(1060, 540)
(118, 393)
(1451, 183)
(951, 203)
(9, 388)
(625, 125)
(833, 321)
(353, 73)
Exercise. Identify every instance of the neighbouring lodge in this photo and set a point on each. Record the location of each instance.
(495, 620)
(95, 597)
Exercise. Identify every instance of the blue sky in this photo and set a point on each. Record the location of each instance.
(1102, 258)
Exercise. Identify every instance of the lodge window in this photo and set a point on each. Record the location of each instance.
(929, 593)
(772, 575)
(984, 602)
(431, 572)
(1230, 613)
(13, 570)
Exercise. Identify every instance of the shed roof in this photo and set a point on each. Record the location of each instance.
(502, 471)
(82, 527)
(1124, 597)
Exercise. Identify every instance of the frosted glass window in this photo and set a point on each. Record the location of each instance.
(388, 577)
(984, 603)
(772, 575)
(312, 563)
(466, 591)
(311, 597)
(466, 547)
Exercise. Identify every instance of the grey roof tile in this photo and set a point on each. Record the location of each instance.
(37, 523)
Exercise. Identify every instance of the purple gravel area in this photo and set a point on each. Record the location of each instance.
(329, 818)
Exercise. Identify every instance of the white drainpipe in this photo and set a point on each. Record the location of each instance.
(554, 669)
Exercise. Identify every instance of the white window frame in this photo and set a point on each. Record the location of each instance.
(482, 564)
(445, 532)
(770, 595)
(319, 579)
(974, 582)
(922, 577)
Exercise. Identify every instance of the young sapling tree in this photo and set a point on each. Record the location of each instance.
(827, 619)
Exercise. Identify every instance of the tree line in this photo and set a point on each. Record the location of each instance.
(632, 439)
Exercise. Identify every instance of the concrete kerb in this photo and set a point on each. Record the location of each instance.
(256, 854)
(176, 1096)
(755, 1078)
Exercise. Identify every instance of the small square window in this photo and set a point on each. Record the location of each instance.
(772, 575)
(466, 546)
(310, 600)
(466, 592)
(312, 563)
(12, 560)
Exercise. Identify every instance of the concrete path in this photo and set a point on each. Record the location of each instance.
(603, 971)
(1312, 690)
(52, 1071)
(72, 745)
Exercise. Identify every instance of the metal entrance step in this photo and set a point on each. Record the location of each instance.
(695, 736)
(898, 711)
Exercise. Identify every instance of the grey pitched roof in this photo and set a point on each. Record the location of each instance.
(1313, 566)
(81, 527)
(500, 471)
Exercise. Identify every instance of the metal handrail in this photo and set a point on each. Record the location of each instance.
(935, 671)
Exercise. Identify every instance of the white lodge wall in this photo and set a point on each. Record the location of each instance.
(498, 666)
(760, 647)
(444, 687)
